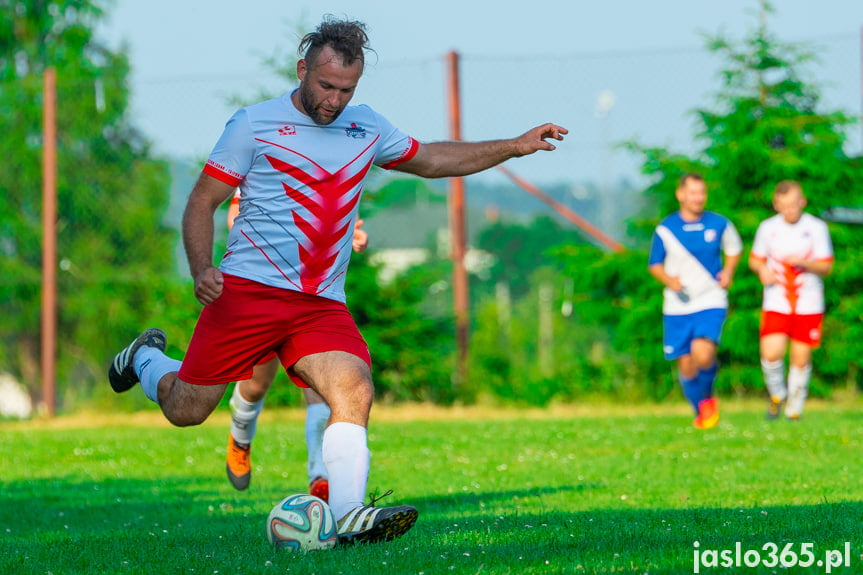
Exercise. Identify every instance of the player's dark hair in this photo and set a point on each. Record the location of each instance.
(786, 186)
(690, 176)
(347, 38)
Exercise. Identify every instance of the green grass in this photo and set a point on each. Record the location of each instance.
(571, 490)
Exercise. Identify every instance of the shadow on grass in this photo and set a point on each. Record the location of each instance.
(177, 525)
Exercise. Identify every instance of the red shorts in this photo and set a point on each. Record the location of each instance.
(803, 328)
(250, 322)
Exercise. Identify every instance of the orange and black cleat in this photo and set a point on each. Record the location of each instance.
(708, 414)
(239, 464)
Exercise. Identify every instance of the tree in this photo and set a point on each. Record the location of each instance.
(111, 195)
(768, 127)
(520, 249)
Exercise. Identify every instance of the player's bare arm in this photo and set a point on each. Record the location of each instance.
(206, 196)
(452, 159)
(817, 267)
(671, 282)
(726, 274)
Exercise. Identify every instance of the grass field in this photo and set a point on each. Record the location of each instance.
(589, 489)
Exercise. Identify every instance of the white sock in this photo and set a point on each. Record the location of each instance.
(317, 415)
(347, 457)
(244, 416)
(151, 365)
(798, 389)
(774, 378)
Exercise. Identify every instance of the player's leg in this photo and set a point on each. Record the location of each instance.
(773, 348)
(687, 373)
(144, 360)
(799, 373)
(805, 335)
(344, 381)
(676, 344)
(704, 358)
(775, 331)
(317, 415)
(246, 404)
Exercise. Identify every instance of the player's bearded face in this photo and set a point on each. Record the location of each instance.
(327, 87)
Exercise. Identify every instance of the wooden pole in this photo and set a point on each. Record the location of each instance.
(458, 233)
(49, 241)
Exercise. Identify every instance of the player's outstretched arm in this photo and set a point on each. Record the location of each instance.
(448, 159)
(206, 196)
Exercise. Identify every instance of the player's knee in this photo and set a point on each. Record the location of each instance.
(185, 419)
(186, 415)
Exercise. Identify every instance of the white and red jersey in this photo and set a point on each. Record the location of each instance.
(300, 185)
(796, 291)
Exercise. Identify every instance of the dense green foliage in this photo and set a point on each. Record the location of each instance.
(619, 491)
(111, 195)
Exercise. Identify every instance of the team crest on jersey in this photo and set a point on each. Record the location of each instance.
(709, 236)
(356, 131)
(289, 130)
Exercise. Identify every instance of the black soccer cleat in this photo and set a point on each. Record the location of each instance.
(122, 374)
(373, 524)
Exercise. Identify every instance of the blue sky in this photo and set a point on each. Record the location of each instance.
(522, 66)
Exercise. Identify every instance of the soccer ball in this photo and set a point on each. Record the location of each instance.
(302, 522)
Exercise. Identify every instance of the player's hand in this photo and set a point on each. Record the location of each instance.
(766, 275)
(796, 262)
(536, 139)
(674, 284)
(725, 277)
(208, 285)
(361, 238)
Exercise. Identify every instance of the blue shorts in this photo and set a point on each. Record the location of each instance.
(680, 330)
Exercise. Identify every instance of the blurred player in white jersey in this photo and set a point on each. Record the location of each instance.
(791, 253)
(301, 161)
(686, 256)
(247, 401)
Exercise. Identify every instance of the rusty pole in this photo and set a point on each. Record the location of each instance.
(458, 234)
(49, 241)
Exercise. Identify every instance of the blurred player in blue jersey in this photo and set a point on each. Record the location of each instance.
(686, 256)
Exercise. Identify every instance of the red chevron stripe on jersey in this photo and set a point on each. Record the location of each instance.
(333, 198)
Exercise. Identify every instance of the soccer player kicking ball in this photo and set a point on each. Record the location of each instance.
(300, 161)
(247, 401)
(791, 253)
(686, 256)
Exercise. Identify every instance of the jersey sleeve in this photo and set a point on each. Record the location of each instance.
(657, 251)
(234, 153)
(395, 146)
(759, 246)
(732, 245)
(823, 246)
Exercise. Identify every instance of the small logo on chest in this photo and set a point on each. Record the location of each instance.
(289, 130)
(709, 235)
(355, 131)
